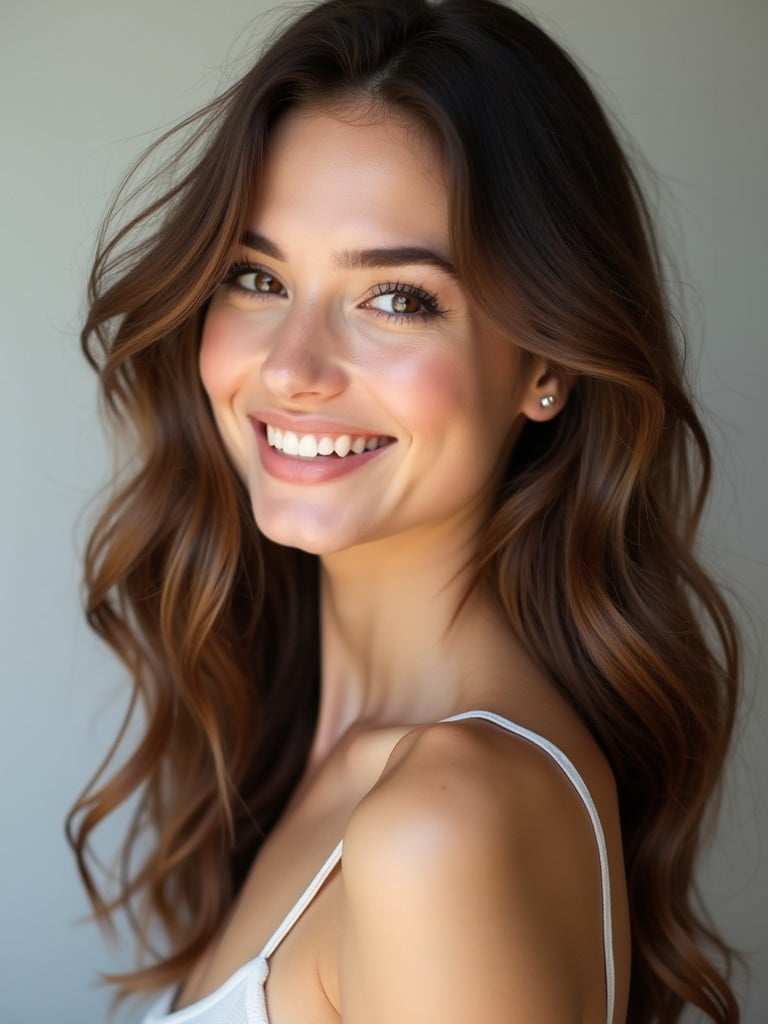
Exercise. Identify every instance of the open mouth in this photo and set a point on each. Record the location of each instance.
(313, 446)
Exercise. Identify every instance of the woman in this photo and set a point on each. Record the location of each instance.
(403, 566)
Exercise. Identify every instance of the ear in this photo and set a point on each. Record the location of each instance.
(547, 392)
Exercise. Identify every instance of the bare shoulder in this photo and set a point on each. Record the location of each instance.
(470, 872)
(478, 785)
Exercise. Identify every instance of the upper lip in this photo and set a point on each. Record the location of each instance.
(308, 424)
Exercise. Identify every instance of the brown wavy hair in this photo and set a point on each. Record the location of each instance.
(592, 541)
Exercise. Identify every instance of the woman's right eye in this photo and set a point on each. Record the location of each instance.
(253, 280)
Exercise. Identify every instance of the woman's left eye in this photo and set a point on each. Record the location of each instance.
(404, 302)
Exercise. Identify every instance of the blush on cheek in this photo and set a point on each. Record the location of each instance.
(214, 360)
(429, 389)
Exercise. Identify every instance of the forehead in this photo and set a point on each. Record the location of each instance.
(353, 168)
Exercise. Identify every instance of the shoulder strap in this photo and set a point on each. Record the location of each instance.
(302, 903)
(580, 786)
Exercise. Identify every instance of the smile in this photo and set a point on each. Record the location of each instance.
(310, 446)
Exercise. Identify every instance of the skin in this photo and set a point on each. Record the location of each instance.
(453, 883)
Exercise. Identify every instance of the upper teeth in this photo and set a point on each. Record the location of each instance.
(308, 446)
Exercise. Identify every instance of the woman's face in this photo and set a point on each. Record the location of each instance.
(358, 390)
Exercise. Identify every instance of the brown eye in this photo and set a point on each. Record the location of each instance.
(264, 282)
(253, 280)
(404, 303)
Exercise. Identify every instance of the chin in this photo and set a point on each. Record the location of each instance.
(314, 535)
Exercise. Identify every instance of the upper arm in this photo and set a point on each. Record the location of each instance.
(464, 893)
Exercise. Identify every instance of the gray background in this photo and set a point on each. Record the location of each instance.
(82, 83)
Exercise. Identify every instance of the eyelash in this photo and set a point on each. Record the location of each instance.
(431, 307)
(429, 302)
(240, 270)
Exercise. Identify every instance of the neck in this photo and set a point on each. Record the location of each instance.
(405, 636)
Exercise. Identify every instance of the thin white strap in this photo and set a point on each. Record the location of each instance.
(580, 786)
(303, 902)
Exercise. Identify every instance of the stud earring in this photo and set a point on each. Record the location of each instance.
(547, 401)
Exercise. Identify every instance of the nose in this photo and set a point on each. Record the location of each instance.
(304, 360)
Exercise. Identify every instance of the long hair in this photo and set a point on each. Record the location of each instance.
(591, 545)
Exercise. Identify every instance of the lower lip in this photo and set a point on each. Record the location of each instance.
(292, 469)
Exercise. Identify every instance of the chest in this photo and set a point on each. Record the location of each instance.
(301, 984)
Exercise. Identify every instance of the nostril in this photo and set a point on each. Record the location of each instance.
(303, 364)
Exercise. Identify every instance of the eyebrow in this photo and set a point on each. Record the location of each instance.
(358, 259)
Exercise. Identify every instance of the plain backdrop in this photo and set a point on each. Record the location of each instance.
(83, 84)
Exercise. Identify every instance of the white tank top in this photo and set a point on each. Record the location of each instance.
(242, 998)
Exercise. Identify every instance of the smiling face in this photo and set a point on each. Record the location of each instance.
(359, 392)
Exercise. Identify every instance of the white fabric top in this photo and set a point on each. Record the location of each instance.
(242, 998)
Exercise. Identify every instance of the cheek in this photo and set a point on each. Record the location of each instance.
(222, 354)
(446, 389)
(222, 368)
(429, 388)
(213, 356)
